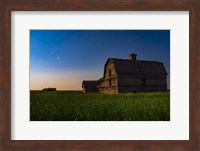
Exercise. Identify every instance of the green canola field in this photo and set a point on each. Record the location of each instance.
(77, 106)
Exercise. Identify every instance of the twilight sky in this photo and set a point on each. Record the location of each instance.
(64, 58)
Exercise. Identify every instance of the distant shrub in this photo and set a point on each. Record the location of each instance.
(49, 89)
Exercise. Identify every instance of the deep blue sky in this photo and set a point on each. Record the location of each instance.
(63, 58)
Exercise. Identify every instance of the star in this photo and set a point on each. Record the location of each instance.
(58, 58)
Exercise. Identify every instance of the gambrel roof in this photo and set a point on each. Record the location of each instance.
(137, 67)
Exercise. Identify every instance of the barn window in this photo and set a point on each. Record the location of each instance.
(143, 81)
(110, 73)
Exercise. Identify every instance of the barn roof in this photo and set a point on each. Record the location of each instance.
(88, 83)
(91, 82)
(138, 67)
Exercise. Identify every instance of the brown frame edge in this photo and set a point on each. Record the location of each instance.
(6, 6)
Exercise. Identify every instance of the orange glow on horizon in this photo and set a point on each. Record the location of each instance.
(60, 81)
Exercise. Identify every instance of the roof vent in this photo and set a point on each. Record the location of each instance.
(132, 56)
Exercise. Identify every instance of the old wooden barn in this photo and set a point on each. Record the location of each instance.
(129, 75)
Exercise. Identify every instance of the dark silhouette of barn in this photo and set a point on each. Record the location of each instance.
(91, 85)
(129, 75)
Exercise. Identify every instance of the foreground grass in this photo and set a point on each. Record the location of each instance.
(76, 106)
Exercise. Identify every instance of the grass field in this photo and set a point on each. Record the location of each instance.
(76, 106)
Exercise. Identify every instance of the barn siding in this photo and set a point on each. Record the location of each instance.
(129, 89)
(89, 87)
(158, 88)
(129, 81)
(155, 82)
(113, 82)
(109, 90)
(110, 66)
(110, 79)
(134, 89)
(135, 84)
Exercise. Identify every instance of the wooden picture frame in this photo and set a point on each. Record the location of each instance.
(193, 6)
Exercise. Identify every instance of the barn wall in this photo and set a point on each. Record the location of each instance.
(134, 89)
(129, 89)
(113, 82)
(109, 90)
(134, 84)
(159, 88)
(110, 81)
(89, 87)
(110, 66)
(129, 81)
(138, 81)
(155, 82)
